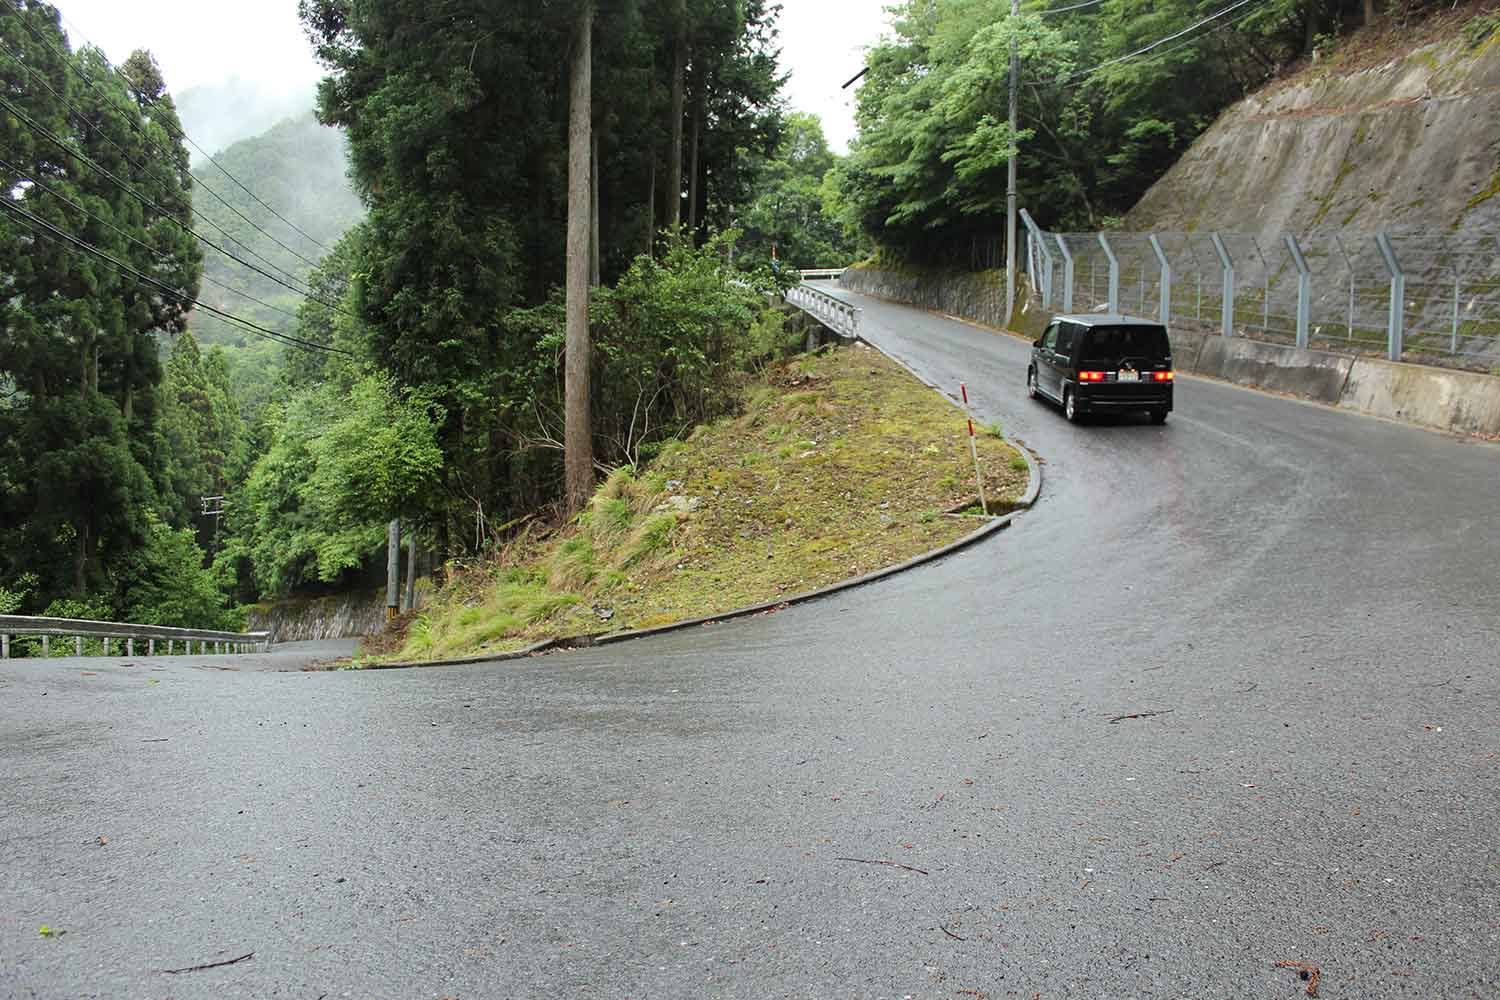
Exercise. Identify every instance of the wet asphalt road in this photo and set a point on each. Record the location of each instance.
(1308, 599)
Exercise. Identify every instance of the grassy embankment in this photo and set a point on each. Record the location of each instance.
(839, 464)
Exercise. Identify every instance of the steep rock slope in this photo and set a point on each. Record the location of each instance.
(1411, 143)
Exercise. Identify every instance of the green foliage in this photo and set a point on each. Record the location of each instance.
(341, 464)
(928, 171)
(166, 583)
(796, 210)
(82, 436)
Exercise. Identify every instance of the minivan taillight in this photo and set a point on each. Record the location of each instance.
(1162, 376)
(1091, 376)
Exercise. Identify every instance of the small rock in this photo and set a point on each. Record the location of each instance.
(605, 614)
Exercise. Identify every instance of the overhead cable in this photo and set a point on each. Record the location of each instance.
(48, 230)
(1064, 10)
(1154, 45)
(46, 133)
(177, 131)
(44, 186)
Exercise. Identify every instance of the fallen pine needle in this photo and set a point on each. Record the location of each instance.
(1138, 715)
(882, 861)
(210, 965)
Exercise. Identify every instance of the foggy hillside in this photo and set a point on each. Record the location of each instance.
(298, 167)
(216, 115)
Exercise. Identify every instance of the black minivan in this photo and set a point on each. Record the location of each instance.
(1097, 364)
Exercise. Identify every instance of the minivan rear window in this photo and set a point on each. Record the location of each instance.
(1113, 344)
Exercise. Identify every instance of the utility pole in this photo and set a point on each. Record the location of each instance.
(1010, 191)
(393, 569)
(213, 507)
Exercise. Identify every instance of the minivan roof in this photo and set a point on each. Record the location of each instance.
(1095, 319)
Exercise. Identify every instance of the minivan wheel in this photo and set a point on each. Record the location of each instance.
(1070, 406)
(1031, 383)
(1158, 416)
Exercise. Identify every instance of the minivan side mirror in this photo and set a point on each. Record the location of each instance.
(1037, 342)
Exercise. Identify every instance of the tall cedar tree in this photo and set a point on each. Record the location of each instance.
(92, 152)
(457, 118)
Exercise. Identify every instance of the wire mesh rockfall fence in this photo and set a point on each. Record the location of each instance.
(1425, 297)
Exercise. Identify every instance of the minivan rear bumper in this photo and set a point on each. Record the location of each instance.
(1113, 397)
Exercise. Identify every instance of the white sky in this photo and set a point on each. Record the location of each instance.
(209, 41)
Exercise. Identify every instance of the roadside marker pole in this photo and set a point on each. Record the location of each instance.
(974, 450)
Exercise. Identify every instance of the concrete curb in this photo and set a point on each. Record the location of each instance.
(992, 526)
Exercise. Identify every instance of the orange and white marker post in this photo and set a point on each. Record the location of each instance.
(974, 449)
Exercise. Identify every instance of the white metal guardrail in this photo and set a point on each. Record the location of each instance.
(836, 314)
(79, 630)
(821, 273)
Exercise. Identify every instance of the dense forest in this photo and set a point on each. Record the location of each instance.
(1111, 93)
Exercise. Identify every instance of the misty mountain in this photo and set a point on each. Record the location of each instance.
(216, 115)
(299, 168)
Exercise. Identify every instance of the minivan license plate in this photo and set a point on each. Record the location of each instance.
(1128, 375)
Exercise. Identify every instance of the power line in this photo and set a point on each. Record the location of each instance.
(1064, 10)
(139, 129)
(136, 164)
(1147, 48)
(42, 185)
(43, 131)
(57, 235)
(178, 132)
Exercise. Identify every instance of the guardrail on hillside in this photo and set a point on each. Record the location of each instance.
(79, 630)
(836, 314)
(1411, 296)
(821, 273)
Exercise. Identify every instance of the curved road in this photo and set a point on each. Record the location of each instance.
(1306, 599)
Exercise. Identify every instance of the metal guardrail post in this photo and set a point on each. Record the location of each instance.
(1166, 280)
(1265, 293)
(1067, 296)
(1039, 246)
(1396, 321)
(1349, 267)
(1226, 318)
(1457, 293)
(1114, 274)
(1304, 288)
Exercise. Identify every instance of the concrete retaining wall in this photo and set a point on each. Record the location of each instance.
(1309, 374)
(297, 619)
(1459, 401)
(1466, 402)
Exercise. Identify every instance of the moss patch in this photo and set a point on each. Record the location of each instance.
(839, 464)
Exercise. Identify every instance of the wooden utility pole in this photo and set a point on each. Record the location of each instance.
(393, 569)
(578, 445)
(1010, 190)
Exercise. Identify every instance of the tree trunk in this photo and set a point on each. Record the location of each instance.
(674, 172)
(80, 560)
(1312, 26)
(651, 209)
(594, 249)
(409, 598)
(578, 449)
(1369, 12)
(693, 163)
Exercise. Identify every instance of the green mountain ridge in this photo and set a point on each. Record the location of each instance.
(298, 168)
